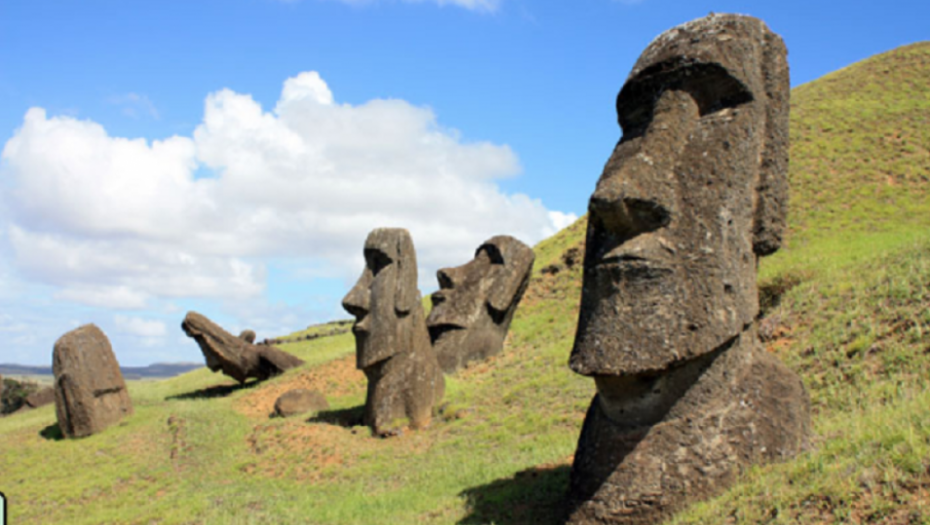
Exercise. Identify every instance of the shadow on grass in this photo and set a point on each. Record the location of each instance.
(211, 392)
(344, 417)
(535, 496)
(52, 432)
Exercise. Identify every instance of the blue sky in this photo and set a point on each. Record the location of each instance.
(229, 157)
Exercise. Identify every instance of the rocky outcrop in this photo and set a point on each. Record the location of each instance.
(299, 401)
(391, 341)
(695, 191)
(90, 393)
(476, 302)
(234, 356)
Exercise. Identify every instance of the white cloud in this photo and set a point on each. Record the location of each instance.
(140, 327)
(120, 297)
(135, 105)
(116, 222)
(561, 220)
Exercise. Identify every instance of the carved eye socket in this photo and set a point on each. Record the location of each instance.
(494, 254)
(712, 87)
(376, 260)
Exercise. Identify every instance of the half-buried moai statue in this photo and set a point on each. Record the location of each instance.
(248, 336)
(90, 393)
(694, 193)
(391, 341)
(233, 355)
(476, 301)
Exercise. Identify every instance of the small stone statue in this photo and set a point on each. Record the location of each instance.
(234, 356)
(391, 341)
(90, 393)
(476, 301)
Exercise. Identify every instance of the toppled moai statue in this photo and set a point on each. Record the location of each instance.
(90, 393)
(476, 301)
(299, 401)
(40, 398)
(235, 357)
(694, 193)
(391, 341)
(248, 336)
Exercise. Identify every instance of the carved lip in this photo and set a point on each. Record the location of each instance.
(358, 328)
(640, 256)
(632, 262)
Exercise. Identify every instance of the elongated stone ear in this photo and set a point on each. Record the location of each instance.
(406, 294)
(517, 260)
(772, 187)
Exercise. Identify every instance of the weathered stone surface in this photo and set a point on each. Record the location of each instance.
(476, 301)
(299, 401)
(43, 397)
(248, 336)
(235, 357)
(391, 340)
(695, 191)
(90, 393)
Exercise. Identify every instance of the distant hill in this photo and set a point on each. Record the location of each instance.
(154, 370)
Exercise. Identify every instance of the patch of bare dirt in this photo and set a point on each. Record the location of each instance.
(311, 452)
(334, 379)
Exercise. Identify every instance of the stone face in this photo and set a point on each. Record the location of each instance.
(248, 336)
(233, 355)
(391, 340)
(476, 301)
(299, 401)
(694, 192)
(90, 393)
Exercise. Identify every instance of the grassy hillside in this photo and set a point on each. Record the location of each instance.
(847, 306)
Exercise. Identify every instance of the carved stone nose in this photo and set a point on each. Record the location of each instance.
(626, 214)
(448, 278)
(357, 301)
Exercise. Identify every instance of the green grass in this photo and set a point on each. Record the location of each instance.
(847, 307)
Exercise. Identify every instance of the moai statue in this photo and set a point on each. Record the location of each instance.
(391, 341)
(234, 356)
(476, 301)
(248, 336)
(694, 193)
(90, 393)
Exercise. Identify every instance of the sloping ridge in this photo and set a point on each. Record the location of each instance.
(860, 147)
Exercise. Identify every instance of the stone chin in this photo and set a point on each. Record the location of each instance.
(482, 341)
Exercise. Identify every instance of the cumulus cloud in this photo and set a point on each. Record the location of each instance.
(117, 222)
(140, 327)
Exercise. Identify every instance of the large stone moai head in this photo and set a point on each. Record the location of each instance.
(391, 341)
(90, 393)
(693, 193)
(476, 301)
